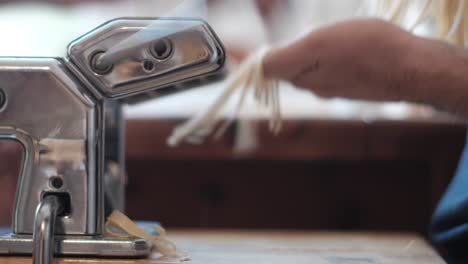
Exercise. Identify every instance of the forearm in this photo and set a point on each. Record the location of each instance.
(437, 74)
(374, 60)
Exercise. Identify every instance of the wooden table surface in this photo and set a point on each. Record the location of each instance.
(236, 247)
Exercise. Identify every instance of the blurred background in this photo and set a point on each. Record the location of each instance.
(338, 164)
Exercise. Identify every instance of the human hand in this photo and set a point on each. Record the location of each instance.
(360, 59)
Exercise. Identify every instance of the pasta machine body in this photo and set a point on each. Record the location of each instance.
(66, 113)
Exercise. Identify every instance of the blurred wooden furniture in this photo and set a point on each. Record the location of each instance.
(317, 174)
(229, 247)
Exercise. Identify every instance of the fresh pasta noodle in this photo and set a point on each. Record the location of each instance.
(450, 17)
(249, 76)
(128, 229)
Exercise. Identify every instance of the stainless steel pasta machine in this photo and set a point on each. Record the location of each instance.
(66, 114)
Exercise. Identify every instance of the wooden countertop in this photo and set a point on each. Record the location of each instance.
(236, 247)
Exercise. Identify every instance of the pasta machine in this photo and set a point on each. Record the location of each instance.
(66, 113)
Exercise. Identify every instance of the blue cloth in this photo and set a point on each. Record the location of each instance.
(146, 225)
(449, 227)
(4, 231)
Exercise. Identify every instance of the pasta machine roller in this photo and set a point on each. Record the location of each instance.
(66, 113)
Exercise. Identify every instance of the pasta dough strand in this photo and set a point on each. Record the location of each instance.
(425, 13)
(450, 17)
(130, 229)
(457, 20)
(248, 75)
